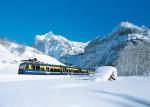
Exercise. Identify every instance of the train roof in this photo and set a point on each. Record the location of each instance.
(39, 63)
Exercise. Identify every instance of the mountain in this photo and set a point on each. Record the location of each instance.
(126, 48)
(12, 53)
(57, 46)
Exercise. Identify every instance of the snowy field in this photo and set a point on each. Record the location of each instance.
(65, 91)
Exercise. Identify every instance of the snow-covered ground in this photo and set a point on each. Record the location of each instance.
(64, 91)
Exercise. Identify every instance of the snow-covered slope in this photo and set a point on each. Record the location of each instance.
(57, 46)
(126, 47)
(11, 56)
(5, 55)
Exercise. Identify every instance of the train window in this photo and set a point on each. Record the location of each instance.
(76, 71)
(79, 70)
(33, 67)
(67, 70)
(47, 68)
(27, 66)
(30, 67)
(51, 69)
(42, 69)
(22, 66)
(55, 70)
(58, 70)
(61, 69)
(37, 67)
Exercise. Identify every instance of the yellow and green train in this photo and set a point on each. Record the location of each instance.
(47, 69)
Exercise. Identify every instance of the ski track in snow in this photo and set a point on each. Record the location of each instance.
(63, 91)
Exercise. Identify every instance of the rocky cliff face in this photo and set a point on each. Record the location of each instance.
(126, 47)
(58, 46)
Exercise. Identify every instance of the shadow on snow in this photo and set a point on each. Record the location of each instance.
(126, 97)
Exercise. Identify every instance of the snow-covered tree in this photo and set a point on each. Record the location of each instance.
(134, 59)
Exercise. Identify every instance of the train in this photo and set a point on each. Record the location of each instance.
(37, 68)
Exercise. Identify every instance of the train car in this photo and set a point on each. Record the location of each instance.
(48, 69)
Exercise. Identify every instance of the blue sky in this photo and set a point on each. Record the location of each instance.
(78, 20)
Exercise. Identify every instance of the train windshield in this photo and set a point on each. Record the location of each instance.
(22, 66)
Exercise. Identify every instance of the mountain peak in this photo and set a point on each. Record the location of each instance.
(50, 36)
(57, 45)
(130, 31)
(127, 24)
(123, 26)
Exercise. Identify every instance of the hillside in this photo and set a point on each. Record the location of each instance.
(12, 53)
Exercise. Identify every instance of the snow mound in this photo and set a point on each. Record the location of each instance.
(105, 73)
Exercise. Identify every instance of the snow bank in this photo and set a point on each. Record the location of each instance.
(105, 73)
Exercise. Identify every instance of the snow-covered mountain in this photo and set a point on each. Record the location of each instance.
(126, 47)
(57, 46)
(11, 55)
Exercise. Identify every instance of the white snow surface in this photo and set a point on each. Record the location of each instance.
(5, 55)
(64, 91)
(103, 73)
